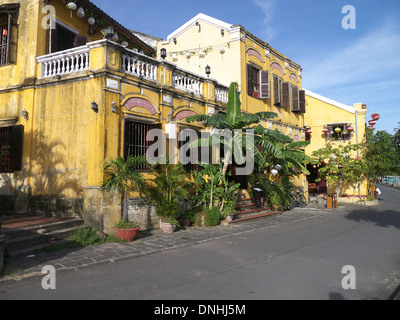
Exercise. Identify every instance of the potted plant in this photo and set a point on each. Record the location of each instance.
(126, 230)
(167, 190)
(274, 199)
(124, 176)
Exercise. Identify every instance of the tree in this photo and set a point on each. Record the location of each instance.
(381, 154)
(123, 175)
(235, 123)
(340, 164)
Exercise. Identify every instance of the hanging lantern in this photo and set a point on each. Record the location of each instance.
(222, 50)
(274, 172)
(125, 44)
(115, 37)
(350, 129)
(325, 130)
(80, 13)
(71, 6)
(91, 21)
(174, 57)
(376, 116)
(309, 131)
(201, 54)
(372, 122)
(188, 55)
(337, 130)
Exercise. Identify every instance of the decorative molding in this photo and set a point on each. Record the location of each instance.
(294, 77)
(142, 103)
(277, 66)
(254, 53)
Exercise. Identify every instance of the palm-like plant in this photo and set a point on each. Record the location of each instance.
(124, 176)
(236, 122)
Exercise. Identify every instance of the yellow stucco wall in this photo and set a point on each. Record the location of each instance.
(321, 112)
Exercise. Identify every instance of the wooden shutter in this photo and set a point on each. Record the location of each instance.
(285, 95)
(249, 82)
(277, 90)
(295, 99)
(264, 85)
(302, 101)
(16, 147)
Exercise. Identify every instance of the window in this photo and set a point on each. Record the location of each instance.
(135, 142)
(295, 104)
(258, 83)
(8, 33)
(338, 131)
(192, 155)
(64, 38)
(11, 139)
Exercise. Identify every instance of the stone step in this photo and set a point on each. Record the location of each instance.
(27, 239)
(254, 215)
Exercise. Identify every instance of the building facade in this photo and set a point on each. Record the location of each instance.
(76, 88)
(268, 80)
(337, 124)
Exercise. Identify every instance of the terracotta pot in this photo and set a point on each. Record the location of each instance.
(186, 222)
(276, 208)
(167, 227)
(126, 234)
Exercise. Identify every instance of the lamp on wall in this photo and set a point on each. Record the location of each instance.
(163, 53)
(25, 114)
(114, 107)
(208, 70)
(95, 107)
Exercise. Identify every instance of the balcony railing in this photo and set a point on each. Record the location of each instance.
(64, 62)
(221, 93)
(188, 82)
(139, 65)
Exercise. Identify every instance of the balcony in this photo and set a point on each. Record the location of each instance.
(97, 56)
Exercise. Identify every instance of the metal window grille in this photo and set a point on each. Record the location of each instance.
(4, 45)
(5, 149)
(135, 139)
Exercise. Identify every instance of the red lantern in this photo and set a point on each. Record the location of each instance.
(372, 122)
(376, 118)
(374, 114)
(309, 131)
(325, 130)
(350, 129)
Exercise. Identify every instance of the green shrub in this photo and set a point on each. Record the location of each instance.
(212, 216)
(123, 224)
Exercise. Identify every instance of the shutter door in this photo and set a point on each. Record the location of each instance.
(295, 99)
(249, 83)
(264, 85)
(277, 91)
(16, 147)
(285, 95)
(302, 98)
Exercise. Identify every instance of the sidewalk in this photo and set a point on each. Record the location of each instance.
(150, 242)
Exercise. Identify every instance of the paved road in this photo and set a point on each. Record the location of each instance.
(298, 259)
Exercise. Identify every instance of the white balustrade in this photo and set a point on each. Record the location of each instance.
(64, 62)
(221, 94)
(187, 82)
(139, 65)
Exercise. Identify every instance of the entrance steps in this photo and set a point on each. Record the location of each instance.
(27, 235)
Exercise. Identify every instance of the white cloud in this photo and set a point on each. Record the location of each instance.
(371, 58)
(268, 12)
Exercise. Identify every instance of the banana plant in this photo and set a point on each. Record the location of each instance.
(238, 125)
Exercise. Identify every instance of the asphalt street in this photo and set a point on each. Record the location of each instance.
(302, 259)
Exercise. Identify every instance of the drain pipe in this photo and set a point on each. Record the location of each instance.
(358, 154)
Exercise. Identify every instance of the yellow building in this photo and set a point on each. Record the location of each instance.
(268, 80)
(77, 87)
(337, 124)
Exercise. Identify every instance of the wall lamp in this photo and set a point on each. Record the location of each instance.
(208, 70)
(114, 107)
(25, 114)
(163, 53)
(95, 107)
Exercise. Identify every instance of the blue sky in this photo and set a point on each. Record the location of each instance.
(350, 66)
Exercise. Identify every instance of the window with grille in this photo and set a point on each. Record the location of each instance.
(8, 33)
(11, 139)
(191, 154)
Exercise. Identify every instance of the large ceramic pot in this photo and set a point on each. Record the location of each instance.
(126, 234)
(3, 239)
